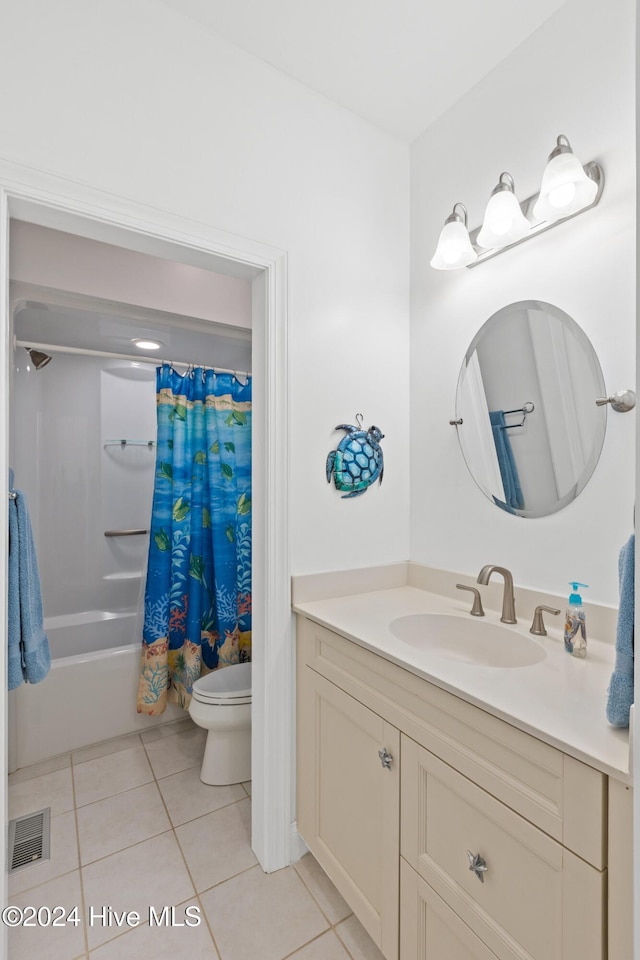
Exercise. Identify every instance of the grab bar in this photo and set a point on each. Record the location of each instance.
(124, 533)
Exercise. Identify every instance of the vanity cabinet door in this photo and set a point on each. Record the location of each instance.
(429, 929)
(348, 802)
(524, 894)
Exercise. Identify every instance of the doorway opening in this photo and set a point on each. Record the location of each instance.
(168, 238)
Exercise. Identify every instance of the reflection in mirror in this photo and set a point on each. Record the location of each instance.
(531, 432)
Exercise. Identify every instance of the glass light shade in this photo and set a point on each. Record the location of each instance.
(504, 221)
(454, 247)
(565, 189)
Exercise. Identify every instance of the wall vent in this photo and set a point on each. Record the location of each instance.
(29, 839)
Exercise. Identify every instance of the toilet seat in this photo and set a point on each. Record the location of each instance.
(229, 686)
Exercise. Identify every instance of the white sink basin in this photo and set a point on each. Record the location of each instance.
(467, 641)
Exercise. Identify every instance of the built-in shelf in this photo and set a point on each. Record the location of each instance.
(125, 575)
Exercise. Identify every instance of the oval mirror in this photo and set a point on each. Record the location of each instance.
(531, 433)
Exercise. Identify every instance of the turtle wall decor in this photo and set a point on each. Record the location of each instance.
(358, 460)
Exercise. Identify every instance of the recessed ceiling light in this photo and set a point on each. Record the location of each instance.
(148, 344)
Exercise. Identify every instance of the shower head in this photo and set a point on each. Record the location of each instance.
(38, 358)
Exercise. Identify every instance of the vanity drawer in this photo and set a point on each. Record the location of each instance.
(537, 900)
(562, 796)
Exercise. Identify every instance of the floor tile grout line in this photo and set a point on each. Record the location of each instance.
(167, 736)
(310, 892)
(182, 854)
(41, 883)
(173, 829)
(331, 923)
(208, 813)
(64, 766)
(81, 878)
(120, 793)
(346, 948)
(203, 913)
(102, 756)
(233, 877)
(303, 946)
(124, 931)
(137, 843)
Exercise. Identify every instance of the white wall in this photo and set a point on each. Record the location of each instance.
(51, 258)
(133, 99)
(575, 76)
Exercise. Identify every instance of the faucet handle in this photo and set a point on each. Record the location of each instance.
(537, 627)
(476, 609)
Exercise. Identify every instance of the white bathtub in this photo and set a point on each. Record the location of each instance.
(89, 694)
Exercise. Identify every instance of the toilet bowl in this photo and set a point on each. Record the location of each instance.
(221, 703)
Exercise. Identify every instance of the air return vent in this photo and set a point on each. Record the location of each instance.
(29, 839)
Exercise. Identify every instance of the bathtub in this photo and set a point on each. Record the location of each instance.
(89, 694)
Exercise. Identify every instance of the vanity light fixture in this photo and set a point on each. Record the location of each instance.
(568, 188)
(504, 222)
(454, 246)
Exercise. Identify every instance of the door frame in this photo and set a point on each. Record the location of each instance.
(50, 201)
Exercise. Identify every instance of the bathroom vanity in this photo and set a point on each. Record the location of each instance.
(452, 825)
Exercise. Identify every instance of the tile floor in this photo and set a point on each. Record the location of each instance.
(132, 826)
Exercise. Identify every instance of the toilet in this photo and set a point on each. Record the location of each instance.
(221, 703)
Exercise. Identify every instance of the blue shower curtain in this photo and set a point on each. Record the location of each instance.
(197, 610)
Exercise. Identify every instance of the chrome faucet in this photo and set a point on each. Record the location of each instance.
(508, 599)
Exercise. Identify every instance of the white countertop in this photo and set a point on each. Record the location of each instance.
(561, 700)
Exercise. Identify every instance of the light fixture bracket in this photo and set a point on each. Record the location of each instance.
(456, 217)
(560, 147)
(502, 185)
(592, 169)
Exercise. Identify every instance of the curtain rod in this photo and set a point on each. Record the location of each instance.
(30, 344)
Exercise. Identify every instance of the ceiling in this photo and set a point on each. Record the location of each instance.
(399, 64)
(71, 320)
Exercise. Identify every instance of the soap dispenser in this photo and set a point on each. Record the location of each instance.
(575, 626)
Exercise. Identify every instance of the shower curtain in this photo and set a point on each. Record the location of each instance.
(197, 606)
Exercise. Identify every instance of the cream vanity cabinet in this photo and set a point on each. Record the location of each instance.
(451, 834)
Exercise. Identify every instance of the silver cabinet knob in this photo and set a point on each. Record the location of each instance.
(386, 758)
(477, 865)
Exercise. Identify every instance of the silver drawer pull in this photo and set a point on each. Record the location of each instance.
(385, 758)
(477, 865)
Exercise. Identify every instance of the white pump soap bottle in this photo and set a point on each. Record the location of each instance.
(575, 626)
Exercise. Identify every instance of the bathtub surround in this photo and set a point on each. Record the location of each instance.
(197, 613)
(29, 658)
(67, 417)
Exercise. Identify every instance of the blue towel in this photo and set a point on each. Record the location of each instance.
(506, 462)
(621, 686)
(29, 657)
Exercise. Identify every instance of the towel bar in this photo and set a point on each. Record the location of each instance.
(125, 533)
